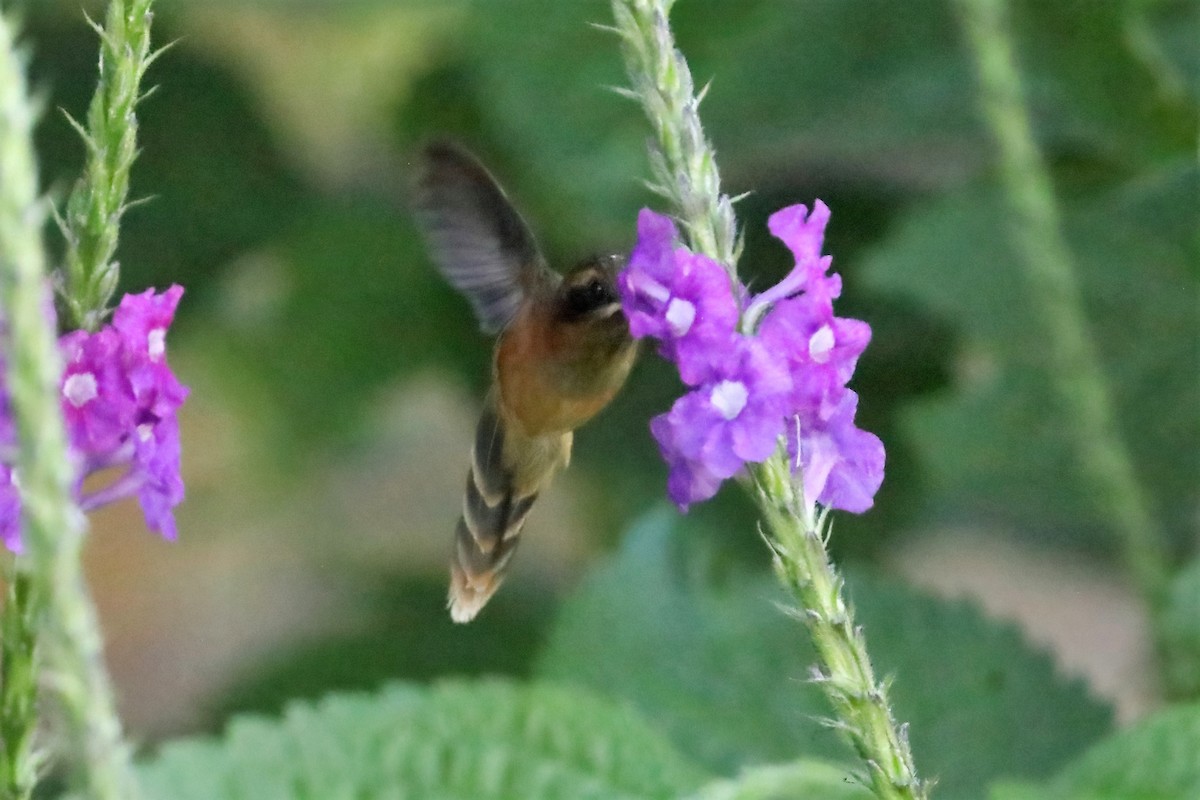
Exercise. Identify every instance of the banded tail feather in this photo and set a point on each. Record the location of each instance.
(507, 472)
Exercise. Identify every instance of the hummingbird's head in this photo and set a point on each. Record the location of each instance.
(588, 294)
(587, 309)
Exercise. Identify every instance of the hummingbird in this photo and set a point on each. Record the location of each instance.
(562, 352)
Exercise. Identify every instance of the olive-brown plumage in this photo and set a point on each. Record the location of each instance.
(563, 352)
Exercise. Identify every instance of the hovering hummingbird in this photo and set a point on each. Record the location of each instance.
(563, 352)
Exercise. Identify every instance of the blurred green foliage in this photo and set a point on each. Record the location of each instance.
(721, 670)
(313, 296)
(455, 741)
(1156, 758)
(860, 103)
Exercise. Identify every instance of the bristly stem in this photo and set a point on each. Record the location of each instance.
(91, 220)
(70, 653)
(797, 536)
(685, 170)
(19, 759)
(1055, 294)
(681, 158)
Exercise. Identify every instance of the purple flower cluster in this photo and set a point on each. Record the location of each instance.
(119, 399)
(783, 373)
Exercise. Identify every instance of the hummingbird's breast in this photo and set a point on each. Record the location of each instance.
(553, 378)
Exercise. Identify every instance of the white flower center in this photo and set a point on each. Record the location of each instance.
(680, 316)
(643, 283)
(156, 343)
(820, 345)
(145, 431)
(80, 388)
(729, 397)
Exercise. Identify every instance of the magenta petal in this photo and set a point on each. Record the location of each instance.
(143, 319)
(10, 511)
(841, 465)
(789, 376)
(655, 244)
(718, 456)
(802, 232)
(851, 337)
(156, 461)
(691, 483)
(758, 439)
(857, 476)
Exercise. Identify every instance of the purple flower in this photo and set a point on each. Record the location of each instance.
(97, 402)
(10, 510)
(788, 375)
(821, 350)
(681, 298)
(156, 464)
(119, 399)
(841, 465)
(644, 284)
(688, 481)
(142, 321)
(734, 418)
(804, 234)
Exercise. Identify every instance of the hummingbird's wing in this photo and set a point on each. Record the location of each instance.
(478, 240)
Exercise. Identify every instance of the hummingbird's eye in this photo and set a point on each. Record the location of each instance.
(588, 297)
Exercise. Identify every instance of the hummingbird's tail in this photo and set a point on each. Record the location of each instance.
(507, 471)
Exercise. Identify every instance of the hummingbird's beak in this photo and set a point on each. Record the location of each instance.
(604, 312)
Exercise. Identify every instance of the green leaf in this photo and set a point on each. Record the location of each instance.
(999, 445)
(1096, 81)
(463, 740)
(800, 779)
(1007, 790)
(1181, 631)
(1154, 760)
(712, 660)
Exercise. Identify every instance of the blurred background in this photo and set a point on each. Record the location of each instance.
(336, 380)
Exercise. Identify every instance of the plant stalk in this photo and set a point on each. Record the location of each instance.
(91, 220)
(1050, 270)
(19, 759)
(685, 171)
(68, 638)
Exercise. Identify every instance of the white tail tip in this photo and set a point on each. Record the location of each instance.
(468, 597)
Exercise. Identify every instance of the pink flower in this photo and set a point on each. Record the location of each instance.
(119, 399)
(734, 418)
(751, 389)
(681, 298)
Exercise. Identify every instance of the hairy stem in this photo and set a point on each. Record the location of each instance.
(52, 526)
(19, 760)
(93, 211)
(860, 701)
(1054, 291)
(682, 159)
(686, 172)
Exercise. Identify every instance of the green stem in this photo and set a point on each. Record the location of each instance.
(686, 172)
(860, 701)
(52, 525)
(682, 159)
(93, 212)
(19, 761)
(1055, 295)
